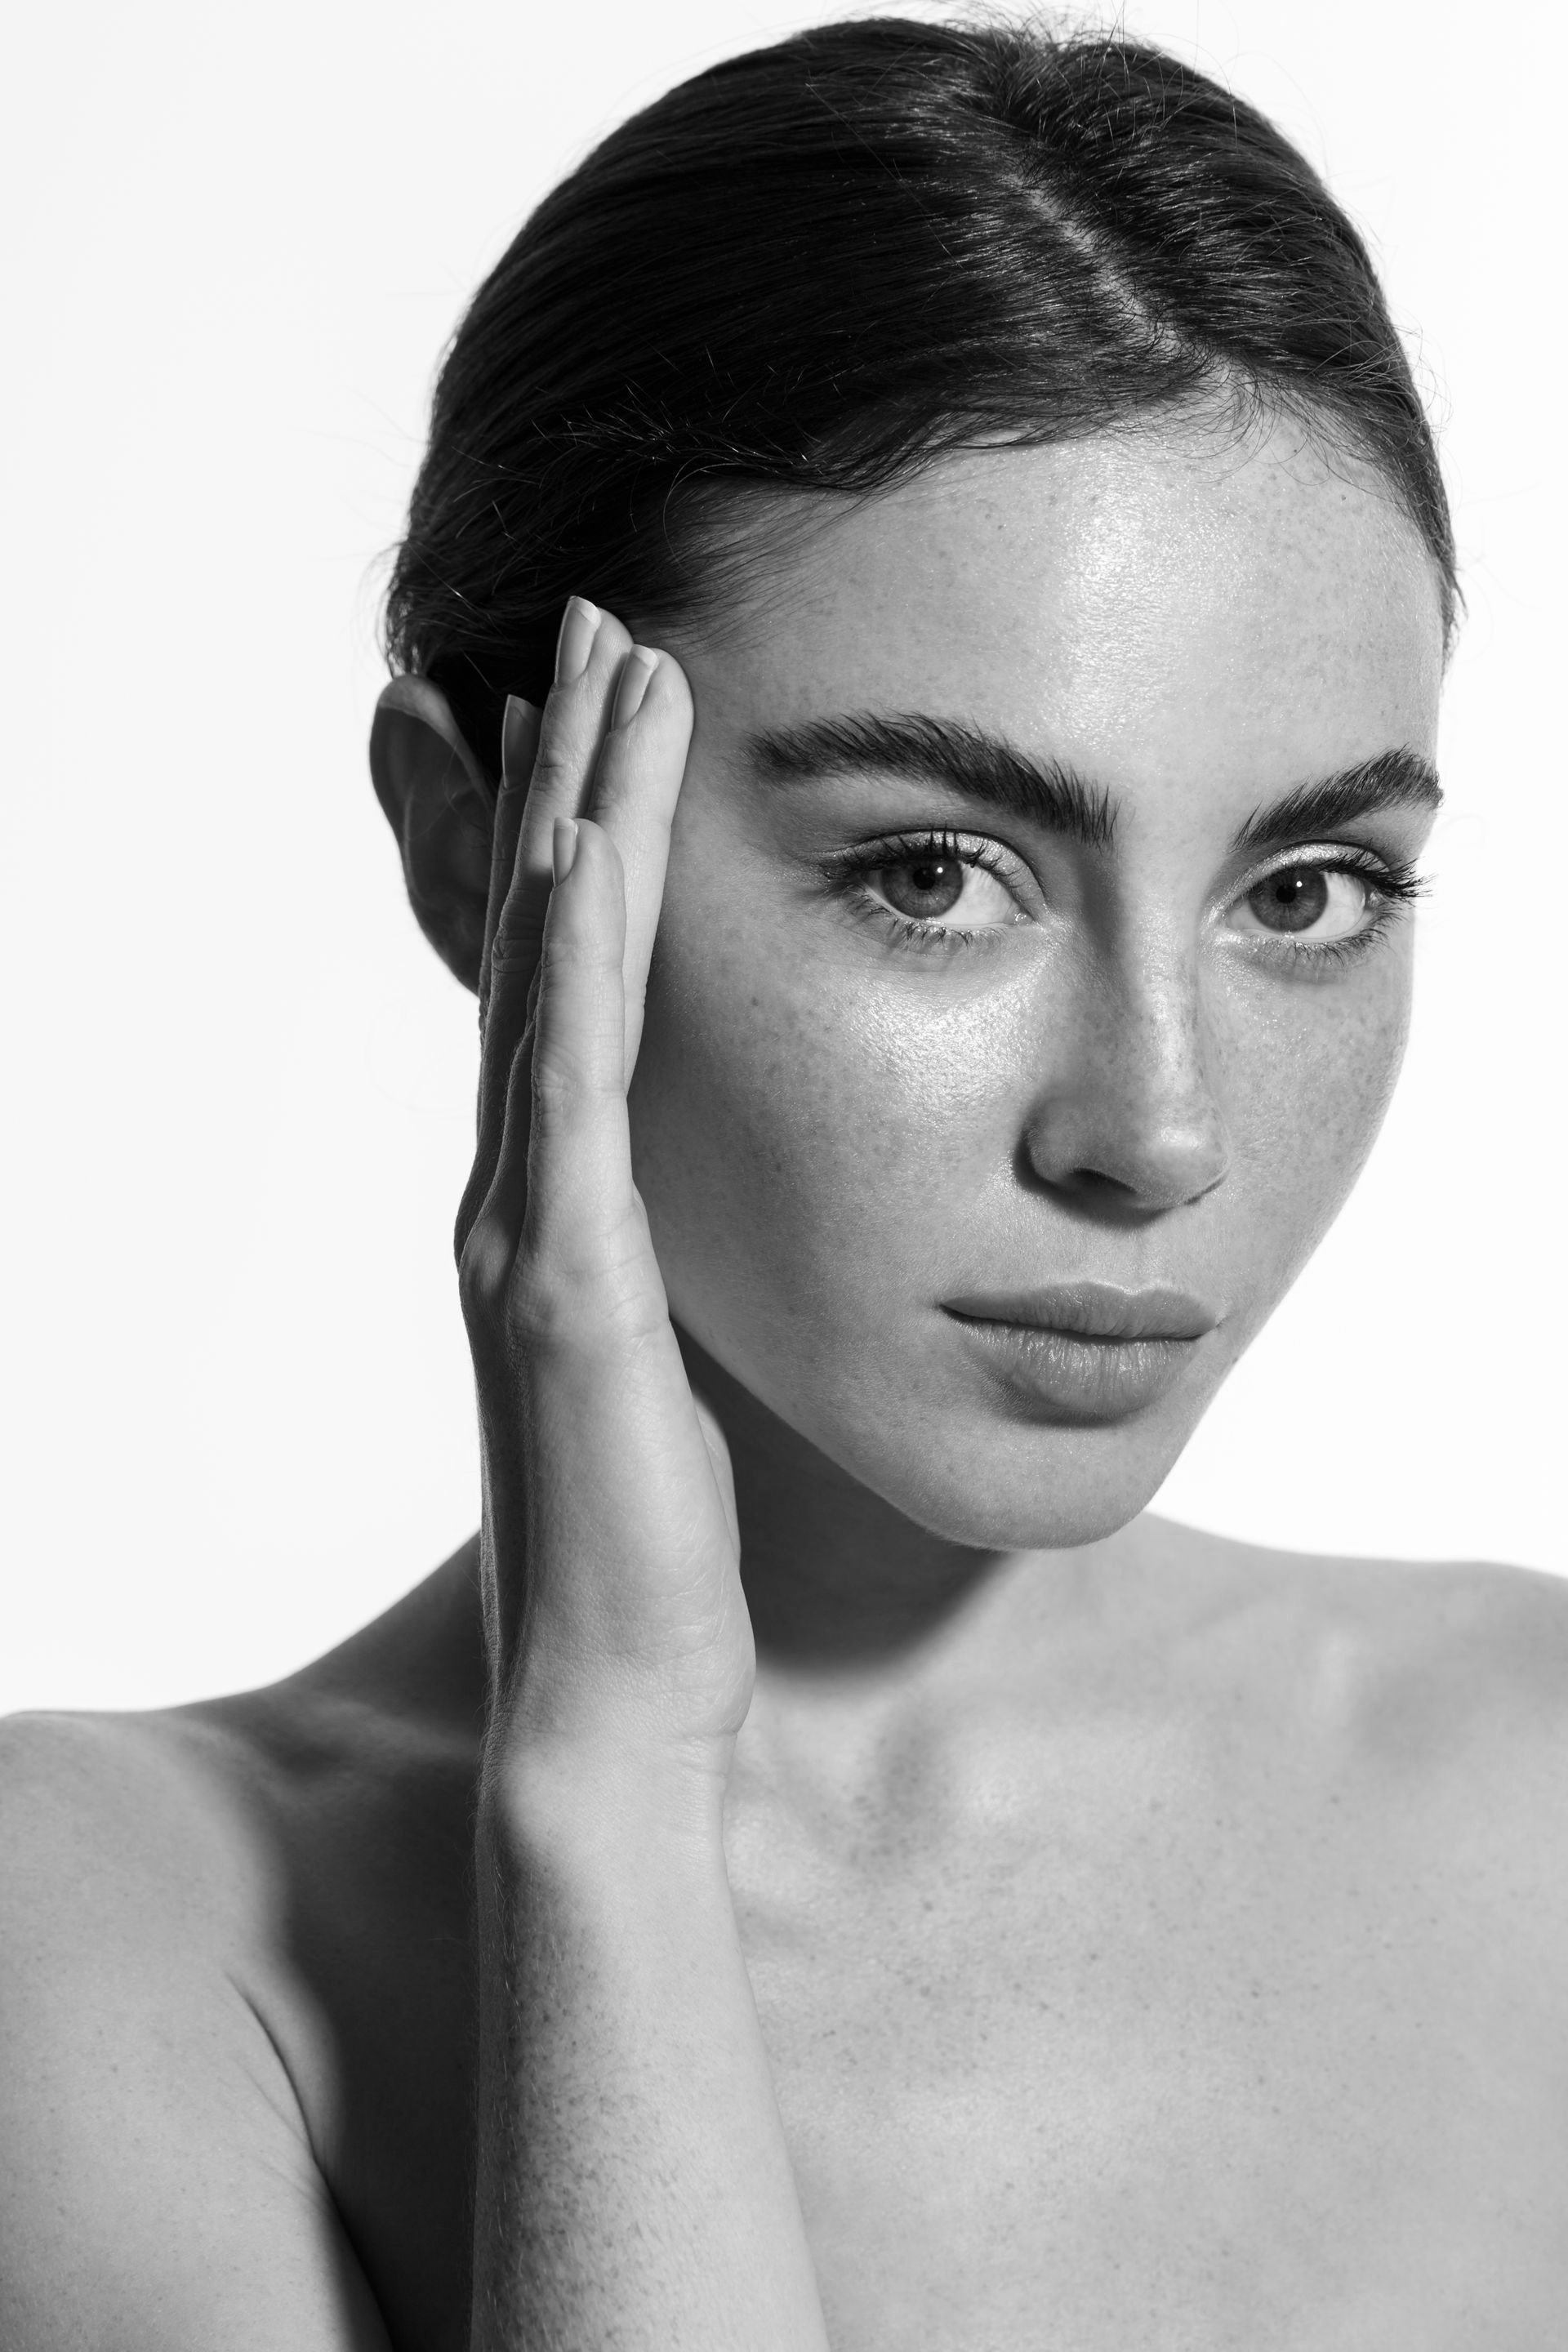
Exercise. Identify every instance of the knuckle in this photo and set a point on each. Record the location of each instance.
(484, 1261)
(513, 956)
(574, 1292)
(519, 931)
(467, 1210)
(568, 1085)
(554, 764)
(579, 957)
(548, 1306)
(565, 757)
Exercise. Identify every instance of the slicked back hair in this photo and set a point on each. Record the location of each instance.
(822, 264)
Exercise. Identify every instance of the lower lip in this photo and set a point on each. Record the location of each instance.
(1074, 1380)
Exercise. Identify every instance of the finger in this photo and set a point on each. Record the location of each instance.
(571, 729)
(635, 786)
(579, 1148)
(518, 743)
(577, 717)
(584, 1266)
(487, 1246)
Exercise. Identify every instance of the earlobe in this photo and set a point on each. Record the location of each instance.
(439, 804)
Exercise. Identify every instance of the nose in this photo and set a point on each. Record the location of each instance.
(1126, 1121)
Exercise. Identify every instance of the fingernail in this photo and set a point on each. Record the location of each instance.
(579, 627)
(635, 671)
(562, 846)
(518, 729)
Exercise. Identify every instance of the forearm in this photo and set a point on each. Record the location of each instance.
(634, 2189)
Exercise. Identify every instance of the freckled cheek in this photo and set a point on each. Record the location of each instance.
(810, 1131)
(1308, 1078)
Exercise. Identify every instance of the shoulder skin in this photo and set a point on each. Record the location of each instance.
(158, 2191)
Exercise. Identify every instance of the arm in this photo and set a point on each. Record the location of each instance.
(634, 2184)
(635, 2187)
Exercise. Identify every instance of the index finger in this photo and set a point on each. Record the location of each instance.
(637, 783)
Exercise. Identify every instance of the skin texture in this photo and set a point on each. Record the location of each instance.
(1156, 1942)
(832, 1134)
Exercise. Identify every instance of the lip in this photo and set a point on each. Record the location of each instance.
(1084, 1353)
(1092, 1310)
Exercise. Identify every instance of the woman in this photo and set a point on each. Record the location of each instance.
(821, 1866)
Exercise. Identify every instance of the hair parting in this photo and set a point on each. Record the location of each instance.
(820, 266)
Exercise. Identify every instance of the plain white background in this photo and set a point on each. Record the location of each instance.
(237, 1086)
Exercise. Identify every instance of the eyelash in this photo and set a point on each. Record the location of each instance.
(846, 870)
(1396, 883)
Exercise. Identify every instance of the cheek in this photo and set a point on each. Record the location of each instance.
(825, 1145)
(804, 1135)
(1308, 1075)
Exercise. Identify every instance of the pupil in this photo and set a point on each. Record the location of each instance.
(923, 886)
(1291, 901)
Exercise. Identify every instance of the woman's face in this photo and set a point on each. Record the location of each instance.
(1006, 946)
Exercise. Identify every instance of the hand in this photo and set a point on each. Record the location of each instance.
(615, 1625)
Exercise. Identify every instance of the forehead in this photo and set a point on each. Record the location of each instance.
(1141, 605)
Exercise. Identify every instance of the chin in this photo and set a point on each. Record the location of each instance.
(1007, 1485)
(1042, 1490)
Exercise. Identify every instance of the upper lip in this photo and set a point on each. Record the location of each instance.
(1093, 1310)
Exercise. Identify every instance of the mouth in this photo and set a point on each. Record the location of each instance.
(1084, 1353)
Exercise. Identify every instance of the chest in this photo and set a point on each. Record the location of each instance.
(1194, 2092)
(1094, 2090)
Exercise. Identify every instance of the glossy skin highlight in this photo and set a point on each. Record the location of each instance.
(836, 1130)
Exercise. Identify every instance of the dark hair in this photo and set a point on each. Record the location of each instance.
(821, 265)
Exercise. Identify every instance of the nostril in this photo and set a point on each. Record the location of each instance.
(1123, 1175)
(1126, 1119)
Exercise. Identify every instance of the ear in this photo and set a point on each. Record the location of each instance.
(439, 804)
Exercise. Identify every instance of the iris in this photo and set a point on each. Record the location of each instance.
(1291, 900)
(923, 888)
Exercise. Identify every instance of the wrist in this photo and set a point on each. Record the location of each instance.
(549, 1800)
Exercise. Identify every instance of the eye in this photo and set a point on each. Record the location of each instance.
(1317, 903)
(937, 885)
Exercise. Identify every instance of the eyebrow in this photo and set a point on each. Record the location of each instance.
(1396, 778)
(1053, 795)
(925, 750)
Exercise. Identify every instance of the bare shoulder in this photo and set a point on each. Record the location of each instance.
(1484, 1644)
(138, 2078)
(1451, 1668)
(1459, 1670)
(136, 1878)
(234, 1988)
(128, 1814)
